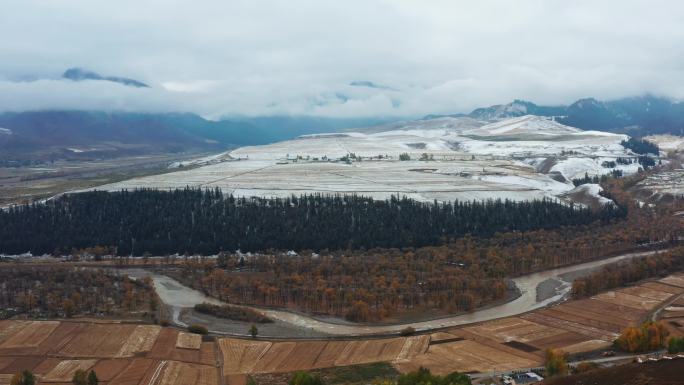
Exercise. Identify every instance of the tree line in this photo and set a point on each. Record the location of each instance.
(368, 286)
(460, 275)
(205, 222)
(63, 291)
(622, 274)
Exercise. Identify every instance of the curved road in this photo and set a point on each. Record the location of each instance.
(178, 296)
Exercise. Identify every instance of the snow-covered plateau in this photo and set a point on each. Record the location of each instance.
(522, 158)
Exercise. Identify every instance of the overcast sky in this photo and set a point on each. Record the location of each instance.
(232, 57)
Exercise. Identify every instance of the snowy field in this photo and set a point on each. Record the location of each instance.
(667, 142)
(522, 158)
(664, 183)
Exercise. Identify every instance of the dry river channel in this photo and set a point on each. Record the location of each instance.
(537, 290)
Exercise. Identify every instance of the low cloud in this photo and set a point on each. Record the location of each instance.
(356, 58)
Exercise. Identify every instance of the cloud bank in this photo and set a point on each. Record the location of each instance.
(311, 57)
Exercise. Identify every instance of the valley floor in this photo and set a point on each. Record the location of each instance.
(129, 354)
(177, 297)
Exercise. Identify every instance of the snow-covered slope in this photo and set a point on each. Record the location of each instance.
(526, 157)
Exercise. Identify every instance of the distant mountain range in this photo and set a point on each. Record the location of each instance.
(635, 116)
(93, 133)
(33, 134)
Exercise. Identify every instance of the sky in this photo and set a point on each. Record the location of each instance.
(351, 58)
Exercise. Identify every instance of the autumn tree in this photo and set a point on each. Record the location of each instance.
(556, 363)
(647, 337)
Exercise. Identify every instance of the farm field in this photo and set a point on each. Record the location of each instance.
(127, 354)
(121, 354)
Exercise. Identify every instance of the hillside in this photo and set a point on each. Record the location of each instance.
(523, 158)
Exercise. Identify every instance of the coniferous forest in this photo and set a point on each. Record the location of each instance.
(205, 222)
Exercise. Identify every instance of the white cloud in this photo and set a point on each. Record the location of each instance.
(250, 57)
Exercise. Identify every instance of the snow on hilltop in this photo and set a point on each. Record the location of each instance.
(527, 157)
(528, 124)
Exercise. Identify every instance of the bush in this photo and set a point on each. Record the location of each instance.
(586, 366)
(164, 322)
(407, 331)
(26, 377)
(404, 156)
(198, 329)
(675, 345)
(232, 312)
(305, 378)
(423, 377)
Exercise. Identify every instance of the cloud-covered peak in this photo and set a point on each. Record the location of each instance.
(78, 74)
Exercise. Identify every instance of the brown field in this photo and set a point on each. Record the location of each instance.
(247, 356)
(645, 292)
(31, 335)
(10, 328)
(179, 373)
(465, 356)
(165, 344)
(207, 353)
(674, 280)
(618, 297)
(134, 372)
(141, 340)
(664, 287)
(127, 354)
(188, 341)
(240, 356)
(107, 370)
(64, 371)
(98, 341)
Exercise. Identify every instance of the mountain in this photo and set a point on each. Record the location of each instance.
(513, 110)
(79, 74)
(84, 133)
(636, 116)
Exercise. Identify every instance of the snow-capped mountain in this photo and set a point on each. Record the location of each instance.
(636, 116)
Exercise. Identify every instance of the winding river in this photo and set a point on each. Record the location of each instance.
(177, 296)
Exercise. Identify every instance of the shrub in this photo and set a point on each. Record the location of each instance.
(198, 329)
(232, 312)
(586, 366)
(305, 378)
(407, 331)
(423, 377)
(675, 345)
